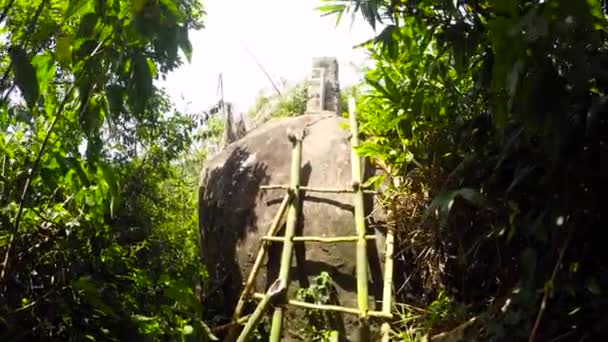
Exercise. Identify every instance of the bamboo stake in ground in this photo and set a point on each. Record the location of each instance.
(387, 293)
(276, 289)
(274, 228)
(357, 175)
(290, 229)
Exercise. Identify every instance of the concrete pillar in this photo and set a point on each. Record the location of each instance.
(324, 86)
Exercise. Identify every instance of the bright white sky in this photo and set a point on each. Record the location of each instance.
(284, 35)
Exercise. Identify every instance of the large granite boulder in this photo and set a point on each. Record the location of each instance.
(234, 215)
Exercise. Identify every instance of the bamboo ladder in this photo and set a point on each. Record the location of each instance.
(275, 295)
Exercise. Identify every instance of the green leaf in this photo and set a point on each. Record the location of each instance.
(376, 85)
(78, 168)
(151, 67)
(180, 292)
(57, 9)
(92, 116)
(390, 46)
(443, 202)
(335, 8)
(138, 5)
(110, 178)
(147, 325)
(25, 75)
(184, 42)
(87, 25)
(45, 70)
(171, 5)
(5, 237)
(115, 94)
(141, 83)
(63, 51)
(187, 330)
(374, 182)
(78, 7)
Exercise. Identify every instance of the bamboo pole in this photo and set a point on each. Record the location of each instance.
(387, 293)
(274, 228)
(312, 189)
(292, 217)
(357, 175)
(334, 308)
(275, 290)
(318, 239)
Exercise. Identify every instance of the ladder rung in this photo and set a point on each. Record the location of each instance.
(318, 239)
(324, 190)
(336, 308)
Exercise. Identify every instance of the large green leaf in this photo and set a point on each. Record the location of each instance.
(25, 75)
(115, 96)
(171, 5)
(87, 25)
(142, 83)
(63, 51)
(113, 186)
(184, 42)
(45, 70)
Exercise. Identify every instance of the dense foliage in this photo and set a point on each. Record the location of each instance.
(491, 117)
(97, 225)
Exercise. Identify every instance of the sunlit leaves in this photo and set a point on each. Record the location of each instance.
(147, 325)
(332, 7)
(57, 9)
